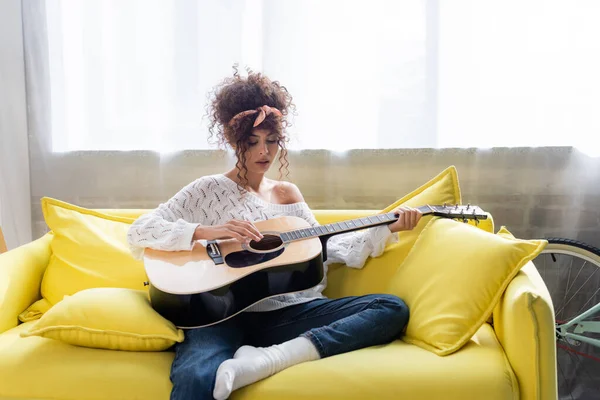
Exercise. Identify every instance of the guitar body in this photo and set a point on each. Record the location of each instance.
(191, 290)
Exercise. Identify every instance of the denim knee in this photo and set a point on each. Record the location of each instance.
(397, 312)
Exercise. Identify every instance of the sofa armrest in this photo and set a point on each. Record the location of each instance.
(21, 272)
(524, 325)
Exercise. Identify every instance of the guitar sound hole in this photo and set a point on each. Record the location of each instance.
(268, 242)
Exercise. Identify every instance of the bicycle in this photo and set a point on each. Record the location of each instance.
(577, 318)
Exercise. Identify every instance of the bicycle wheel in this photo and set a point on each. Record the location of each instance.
(570, 270)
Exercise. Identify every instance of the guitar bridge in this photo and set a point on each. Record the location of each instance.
(213, 251)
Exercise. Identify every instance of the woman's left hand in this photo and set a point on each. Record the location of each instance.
(408, 218)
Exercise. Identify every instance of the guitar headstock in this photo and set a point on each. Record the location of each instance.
(462, 212)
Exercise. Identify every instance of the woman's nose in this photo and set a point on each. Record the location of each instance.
(264, 149)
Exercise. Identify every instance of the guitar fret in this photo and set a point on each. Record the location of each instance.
(322, 230)
(284, 237)
(313, 232)
(330, 228)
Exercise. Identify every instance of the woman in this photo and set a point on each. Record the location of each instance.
(249, 114)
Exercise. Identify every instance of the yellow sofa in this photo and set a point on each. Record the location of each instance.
(512, 358)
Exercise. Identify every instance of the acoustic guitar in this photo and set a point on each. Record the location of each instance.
(219, 279)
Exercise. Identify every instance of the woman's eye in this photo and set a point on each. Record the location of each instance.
(271, 141)
(252, 143)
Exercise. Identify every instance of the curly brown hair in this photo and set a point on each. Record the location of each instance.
(236, 94)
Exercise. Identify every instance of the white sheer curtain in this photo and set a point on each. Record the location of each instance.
(129, 75)
(519, 73)
(15, 196)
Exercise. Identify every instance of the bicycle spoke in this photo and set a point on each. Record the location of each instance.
(586, 303)
(569, 284)
(586, 281)
(575, 361)
(565, 380)
(568, 280)
(570, 266)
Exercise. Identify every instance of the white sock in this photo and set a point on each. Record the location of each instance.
(251, 364)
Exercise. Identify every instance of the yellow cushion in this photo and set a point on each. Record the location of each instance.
(89, 249)
(453, 278)
(108, 318)
(377, 272)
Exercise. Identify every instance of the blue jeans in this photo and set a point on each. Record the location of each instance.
(333, 326)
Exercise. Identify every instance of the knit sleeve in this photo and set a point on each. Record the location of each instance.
(171, 226)
(353, 248)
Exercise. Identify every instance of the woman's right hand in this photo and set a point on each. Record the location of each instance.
(242, 231)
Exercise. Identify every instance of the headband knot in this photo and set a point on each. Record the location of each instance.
(263, 112)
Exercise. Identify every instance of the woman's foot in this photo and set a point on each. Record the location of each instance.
(252, 364)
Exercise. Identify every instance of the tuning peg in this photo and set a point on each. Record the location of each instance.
(468, 205)
(445, 205)
(456, 206)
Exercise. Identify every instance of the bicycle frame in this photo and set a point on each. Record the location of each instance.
(581, 327)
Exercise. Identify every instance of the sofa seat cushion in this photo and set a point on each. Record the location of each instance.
(397, 371)
(41, 368)
(44, 369)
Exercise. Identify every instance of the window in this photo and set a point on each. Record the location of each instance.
(133, 75)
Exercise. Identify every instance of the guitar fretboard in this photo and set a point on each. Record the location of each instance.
(342, 227)
(325, 231)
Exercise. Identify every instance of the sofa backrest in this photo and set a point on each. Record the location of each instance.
(323, 216)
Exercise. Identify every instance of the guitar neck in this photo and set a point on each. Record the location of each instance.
(346, 226)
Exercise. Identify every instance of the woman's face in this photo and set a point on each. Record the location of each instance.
(262, 150)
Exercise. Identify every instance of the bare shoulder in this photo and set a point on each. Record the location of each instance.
(287, 193)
